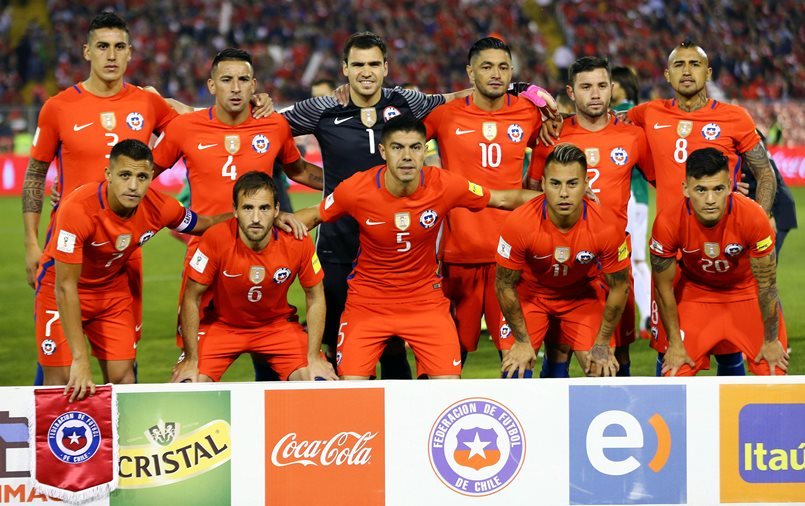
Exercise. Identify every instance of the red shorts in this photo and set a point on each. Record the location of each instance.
(425, 325)
(659, 339)
(283, 344)
(471, 290)
(706, 325)
(577, 321)
(108, 323)
(134, 272)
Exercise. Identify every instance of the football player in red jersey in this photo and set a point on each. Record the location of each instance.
(727, 290)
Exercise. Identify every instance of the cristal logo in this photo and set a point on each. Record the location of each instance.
(344, 448)
(598, 442)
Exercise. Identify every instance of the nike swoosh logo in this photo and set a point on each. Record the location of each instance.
(231, 275)
(549, 255)
(690, 251)
(657, 126)
(457, 363)
(202, 147)
(370, 222)
(138, 327)
(99, 243)
(78, 128)
(462, 132)
(338, 121)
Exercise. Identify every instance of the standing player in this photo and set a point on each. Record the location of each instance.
(250, 265)
(219, 142)
(690, 121)
(548, 272)
(78, 126)
(625, 95)
(82, 285)
(613, 150)
(348, 137)
(727, 290)
(482, 137)
(399, 208)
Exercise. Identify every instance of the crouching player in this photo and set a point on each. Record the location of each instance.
(82, 284)
(550, 257)
(250, 265)
(727, 290)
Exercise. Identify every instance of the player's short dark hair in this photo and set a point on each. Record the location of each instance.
(131, 148)
(566, 154)
(487, 43)
(252, 182)
(231, 54)
(627, 80)
(586, 64)
(329, 82)
(107, 20)
(402, 123)
(364, 40)
(706, 162)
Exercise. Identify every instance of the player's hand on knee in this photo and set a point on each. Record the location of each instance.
(775, 354)
(185, 371)
(262, 105)
(601, 361)
(291, 224)
(80, 380)
(674, 358)
(521, 357)
(319, 368)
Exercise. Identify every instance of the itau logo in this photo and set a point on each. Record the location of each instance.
(476, 446)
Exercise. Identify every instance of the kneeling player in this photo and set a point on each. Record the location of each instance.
(557, 242)
(395, 288)
(98, 228)
(727, 291)
(250, 265)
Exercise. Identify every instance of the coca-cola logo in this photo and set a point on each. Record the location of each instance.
(344, 448)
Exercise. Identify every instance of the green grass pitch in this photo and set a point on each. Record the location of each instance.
(163, 263)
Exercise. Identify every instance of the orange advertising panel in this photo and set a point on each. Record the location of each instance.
(762, 443)
(325, 447)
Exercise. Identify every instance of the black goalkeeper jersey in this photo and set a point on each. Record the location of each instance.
(349, 138)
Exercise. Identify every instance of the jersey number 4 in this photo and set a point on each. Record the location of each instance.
(229, 169)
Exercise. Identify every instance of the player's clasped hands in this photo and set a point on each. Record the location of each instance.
(185, 370)
(80, 380)
(773, 353)
(601, 361)
(318, 368)
(521, 357)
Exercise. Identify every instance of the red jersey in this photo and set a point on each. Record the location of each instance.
(715, 260)
(87, 232)
(250, 288)
(79, 129)
(216, 153)
(558, 264)
(488, 148)
(397, 260)
(611, 154)
(673, 134)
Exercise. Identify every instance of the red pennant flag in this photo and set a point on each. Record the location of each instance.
(75, 455)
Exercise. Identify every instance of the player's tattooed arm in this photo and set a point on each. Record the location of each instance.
(506, 281)
(33, 194)
(309, 216)
(306, 173)
(618, 283)
(765, 271)
(186, 370)
(663, 271)
(521, 356)
(757, 159)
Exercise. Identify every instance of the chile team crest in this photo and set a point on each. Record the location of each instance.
(135, 121)
(74, 437)
(711, 131)
(477, 447)
(619, 156)
(515, 132)
(389, 112)
(260, 144)
(428, 218)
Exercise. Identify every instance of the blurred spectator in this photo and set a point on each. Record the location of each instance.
(22, 137)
